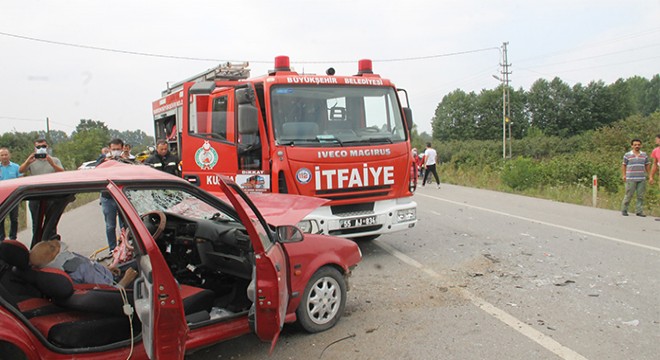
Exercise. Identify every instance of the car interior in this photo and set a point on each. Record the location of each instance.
(207, 250)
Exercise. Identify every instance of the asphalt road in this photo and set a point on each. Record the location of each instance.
(486, 275)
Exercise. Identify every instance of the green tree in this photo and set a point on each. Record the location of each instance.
(137, 138)
(85, 143)
(550, 107)
(20, 144)
(651, 100)
(57, 136)
(488, 115)
(455, 116)
(519, 113)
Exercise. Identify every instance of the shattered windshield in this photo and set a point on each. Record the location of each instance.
(336, 115)
(173, 201)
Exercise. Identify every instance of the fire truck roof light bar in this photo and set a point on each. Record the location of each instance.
(282, 63)
(365, 67)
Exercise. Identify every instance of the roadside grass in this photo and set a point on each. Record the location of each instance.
(489, 178)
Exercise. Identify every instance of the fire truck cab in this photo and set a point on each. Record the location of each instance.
(342, 138)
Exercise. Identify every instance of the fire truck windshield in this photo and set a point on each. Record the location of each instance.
(336, 115)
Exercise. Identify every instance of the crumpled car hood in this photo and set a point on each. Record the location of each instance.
(282, 209)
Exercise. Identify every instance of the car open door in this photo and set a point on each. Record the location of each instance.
(271, 287)
(157, 298)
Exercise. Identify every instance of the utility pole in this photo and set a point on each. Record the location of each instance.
(47, 130)
(506, 106)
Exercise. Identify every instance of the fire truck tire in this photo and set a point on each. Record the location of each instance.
(323, 301)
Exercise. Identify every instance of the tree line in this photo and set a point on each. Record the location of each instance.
(551, 108)
(83, 144)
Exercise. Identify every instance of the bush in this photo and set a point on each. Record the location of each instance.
(522, 173)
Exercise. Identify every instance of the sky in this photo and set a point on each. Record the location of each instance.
(109, 60)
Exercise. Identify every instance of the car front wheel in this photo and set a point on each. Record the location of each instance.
(323, 301)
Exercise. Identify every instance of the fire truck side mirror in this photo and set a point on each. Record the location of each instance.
(248, 122)
(407, 112)
(248, 115)
(244, 96)
(202, 88)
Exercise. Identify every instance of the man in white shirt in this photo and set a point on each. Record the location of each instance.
(430, 158)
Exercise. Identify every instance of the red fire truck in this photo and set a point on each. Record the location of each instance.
(342, 138)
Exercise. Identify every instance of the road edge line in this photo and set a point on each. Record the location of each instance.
(648, 247)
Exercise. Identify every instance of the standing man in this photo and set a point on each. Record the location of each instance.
(655, 158)
(127, 152)
(108, 204)
(40, 162)
(430, 158)
(634, 168)
(9, 170)
(163, 159)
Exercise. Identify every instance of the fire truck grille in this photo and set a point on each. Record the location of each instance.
(352, 209)
(355, 193)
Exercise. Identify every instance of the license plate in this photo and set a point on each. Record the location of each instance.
(358, 222)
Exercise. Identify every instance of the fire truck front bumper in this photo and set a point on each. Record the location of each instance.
(380, 217)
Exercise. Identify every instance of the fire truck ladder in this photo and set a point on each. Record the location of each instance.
(225, 71)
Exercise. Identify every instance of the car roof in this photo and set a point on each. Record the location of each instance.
(109, 171)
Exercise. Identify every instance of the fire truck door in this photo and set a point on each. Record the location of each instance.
(209, 146)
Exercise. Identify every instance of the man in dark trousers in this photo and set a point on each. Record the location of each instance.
(430, 158)
(40, 162)
(163, 159)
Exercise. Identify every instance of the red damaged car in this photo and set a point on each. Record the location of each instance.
(210, 267)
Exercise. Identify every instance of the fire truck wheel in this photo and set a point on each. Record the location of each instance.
(323, 300)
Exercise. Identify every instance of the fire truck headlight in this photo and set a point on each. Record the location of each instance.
(406, 215)
(308, 226)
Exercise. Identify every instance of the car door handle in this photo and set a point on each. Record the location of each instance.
(277, 267)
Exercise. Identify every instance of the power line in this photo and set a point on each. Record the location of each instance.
(20, 119)
(108, 49)
(139, 53)
(598, 56)
(592, 45)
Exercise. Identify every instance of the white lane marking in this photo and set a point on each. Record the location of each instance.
(540, 338)
(544, 223)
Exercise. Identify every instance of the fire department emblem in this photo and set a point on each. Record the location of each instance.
(303, 175)
(206, 157)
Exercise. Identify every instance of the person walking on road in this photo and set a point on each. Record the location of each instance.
(634, 168)
(655, 158)
(430, 158)
(9, 170)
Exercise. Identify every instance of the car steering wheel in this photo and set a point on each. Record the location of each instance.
(155, 222)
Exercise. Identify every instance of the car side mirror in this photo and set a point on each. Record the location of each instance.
(289, 234)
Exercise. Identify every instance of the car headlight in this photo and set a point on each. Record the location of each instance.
(308, 226)
(406, 215)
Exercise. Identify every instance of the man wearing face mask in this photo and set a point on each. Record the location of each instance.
(108, 204)
(38, 163)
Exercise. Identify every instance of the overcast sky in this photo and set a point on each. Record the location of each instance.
(578, 41)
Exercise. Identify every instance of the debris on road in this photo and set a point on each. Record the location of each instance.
(565, 283)
(631, 322)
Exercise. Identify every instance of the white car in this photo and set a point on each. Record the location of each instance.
(87, 165)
